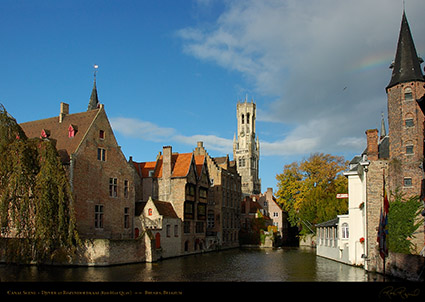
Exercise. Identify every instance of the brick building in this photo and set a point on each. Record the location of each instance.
(102, 181)
(224, 202)
(183, 181)
(406, 121)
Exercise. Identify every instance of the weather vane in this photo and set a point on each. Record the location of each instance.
(95, 66)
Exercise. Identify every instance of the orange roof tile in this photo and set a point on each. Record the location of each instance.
(182, 165)
(199, 161)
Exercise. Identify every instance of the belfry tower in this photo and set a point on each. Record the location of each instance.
(246, 148)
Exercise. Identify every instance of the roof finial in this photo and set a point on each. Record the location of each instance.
(383, 130)
(94, 100)
(95, 66)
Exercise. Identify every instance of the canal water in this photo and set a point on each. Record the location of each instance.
(241, 265)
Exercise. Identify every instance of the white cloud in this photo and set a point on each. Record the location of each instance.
(141, 129)
(324, 62)
(148, 131)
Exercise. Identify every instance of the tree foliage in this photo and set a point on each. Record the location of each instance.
(36, 213)
(307, 190)
(403, 221)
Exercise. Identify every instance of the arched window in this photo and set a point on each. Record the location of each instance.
(345, 230)
(247, 118)
(158, 240)
(408, 94)
(408, 120)
(243, 119)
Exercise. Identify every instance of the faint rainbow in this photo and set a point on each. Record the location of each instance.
(373, 61)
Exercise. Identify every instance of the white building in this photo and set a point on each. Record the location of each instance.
(343, 238)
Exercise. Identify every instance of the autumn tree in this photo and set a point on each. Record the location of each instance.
(307, 190)
(36, 213)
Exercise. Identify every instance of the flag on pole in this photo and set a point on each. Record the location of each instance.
(383, 224)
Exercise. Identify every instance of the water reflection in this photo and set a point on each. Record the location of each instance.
(285, 264)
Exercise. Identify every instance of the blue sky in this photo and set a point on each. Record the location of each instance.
(171, 72)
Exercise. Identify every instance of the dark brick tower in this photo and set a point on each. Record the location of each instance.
(405, 119)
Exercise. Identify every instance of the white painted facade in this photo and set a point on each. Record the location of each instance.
(343, 238)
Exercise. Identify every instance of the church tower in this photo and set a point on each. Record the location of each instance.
(246, 148)
(405, 118)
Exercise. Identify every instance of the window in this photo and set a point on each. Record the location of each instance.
(408, 94)
(101, 134)
(345, 230)
(158, 240)
(409, 149)
(176, 230)
(72, 130)
(407, 182)
(168, 230)
(149, 212)
(199, 227)
(275, 214)
(190, 189)
(126, 218)
(186, 227)
(101, 154)
(203, 192)
(202, 211)
(247, 118)
(126, 188)
(113, 187)
(210, 220)
(243, 119)
(188, 210)
(98, 216)
(409, 122)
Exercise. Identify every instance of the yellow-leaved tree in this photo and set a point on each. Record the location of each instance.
(307, 190)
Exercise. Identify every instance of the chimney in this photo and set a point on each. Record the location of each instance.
(372, 144)
(64, 111)
(166, 161)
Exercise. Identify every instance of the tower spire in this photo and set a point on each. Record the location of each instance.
(94, 100)
(383, 130)
(407, 65)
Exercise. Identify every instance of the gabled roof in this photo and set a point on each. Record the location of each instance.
(180, 166)
(144, 168)
(199, 162)
(60, 131)
(406, 66)
(164, 208)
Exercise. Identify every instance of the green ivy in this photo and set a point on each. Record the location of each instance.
(403, 221)
(36, 213)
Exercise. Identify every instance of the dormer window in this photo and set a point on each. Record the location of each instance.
(72, 130)
(45, 133)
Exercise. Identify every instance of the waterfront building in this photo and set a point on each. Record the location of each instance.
(392, 161)
(246, 148)
(406, 121)
(224, 201)
(102, 181)
(161, 227)
(183, 181)
(285, 233)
